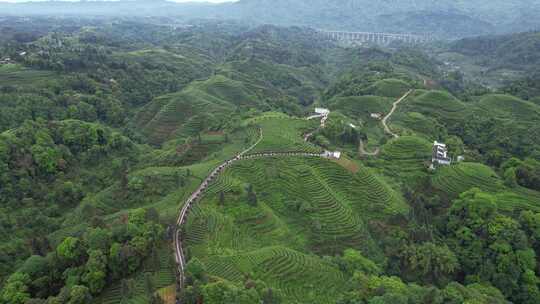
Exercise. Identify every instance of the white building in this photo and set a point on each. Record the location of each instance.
(440, 154)
(322, 111)
(376, 115)
(334, 154)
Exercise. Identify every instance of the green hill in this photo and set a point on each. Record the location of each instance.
(304, 205)
(456, 179)
(439, 104)
(271, 78)
(201, 105)
(520, 50)
(510, 107)
(406, 154)
(284, 133)
(389, 88)
(361, 106)
(301, 278)
(420, 124)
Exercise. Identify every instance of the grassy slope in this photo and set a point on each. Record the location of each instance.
(456, 179)
(432, 113)
(510, 107)
(305, 206)
(284, 133)
(361, 106)
(437, 104)
(427, 112)
(404, 159)
(274, 240)
(418, 124)
(193, 109)
(393, 88)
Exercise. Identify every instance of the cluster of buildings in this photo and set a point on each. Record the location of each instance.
(439, 157)
(6, 60)
(323, 114)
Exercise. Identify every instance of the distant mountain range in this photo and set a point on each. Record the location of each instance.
(445, 18)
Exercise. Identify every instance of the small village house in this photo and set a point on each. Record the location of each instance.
(376, 115)
(440, 155)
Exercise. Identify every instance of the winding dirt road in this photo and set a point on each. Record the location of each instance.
(361, 148)
(394, 107)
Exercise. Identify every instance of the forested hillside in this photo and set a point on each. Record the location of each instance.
(108, 127)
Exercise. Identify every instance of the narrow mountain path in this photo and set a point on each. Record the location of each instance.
(394, 107)
(198, 193)
(362, 150)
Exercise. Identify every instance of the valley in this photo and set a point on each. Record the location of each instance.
(242, 163)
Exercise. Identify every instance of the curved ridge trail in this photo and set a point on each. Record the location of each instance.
(364, 152)
(361, 148)
(394, 107)
(198, 193)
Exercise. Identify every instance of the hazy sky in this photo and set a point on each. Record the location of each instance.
(213, 1)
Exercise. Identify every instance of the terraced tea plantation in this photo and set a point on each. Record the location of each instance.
(456, 179)
(406, 154)
(14, 74)
(303, 206)
(510, 107)
(282, 133)
(195, 108)
(303, 278)
(435, 104)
